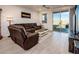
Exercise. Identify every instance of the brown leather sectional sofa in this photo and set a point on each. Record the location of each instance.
(24, 34)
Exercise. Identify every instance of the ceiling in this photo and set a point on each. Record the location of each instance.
(41, 8)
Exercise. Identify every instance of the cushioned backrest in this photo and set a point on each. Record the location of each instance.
(28, 25)
(34, 24)
(21, 27)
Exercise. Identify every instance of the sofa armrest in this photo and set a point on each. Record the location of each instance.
(38, 27)
(32, 39)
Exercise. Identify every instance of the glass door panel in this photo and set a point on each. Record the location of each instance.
(77, 19)
(56, 22)
(61, 21)
(64, 22)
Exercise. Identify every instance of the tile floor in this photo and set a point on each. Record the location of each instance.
(53, 43)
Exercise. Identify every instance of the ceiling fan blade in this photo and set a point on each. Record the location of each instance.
(46, 7)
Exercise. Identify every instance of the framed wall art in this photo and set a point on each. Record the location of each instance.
(25, 15)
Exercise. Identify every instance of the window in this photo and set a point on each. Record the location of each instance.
(77, 18)
(44, 20)
(61, 21)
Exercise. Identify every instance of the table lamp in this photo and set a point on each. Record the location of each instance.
(9, 19)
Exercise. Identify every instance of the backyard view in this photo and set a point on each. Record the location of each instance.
(61, 22)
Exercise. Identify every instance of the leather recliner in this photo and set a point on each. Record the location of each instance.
(23, 37)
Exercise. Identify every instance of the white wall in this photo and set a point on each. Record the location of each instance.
(72, 20)
(47, 25)
(15, 12)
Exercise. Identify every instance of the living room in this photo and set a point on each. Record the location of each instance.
(40, 16)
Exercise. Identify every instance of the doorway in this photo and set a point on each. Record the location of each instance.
(61, 21)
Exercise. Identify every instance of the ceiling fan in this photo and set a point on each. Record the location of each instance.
(44, 6)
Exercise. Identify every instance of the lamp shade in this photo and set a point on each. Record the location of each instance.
(9, 19)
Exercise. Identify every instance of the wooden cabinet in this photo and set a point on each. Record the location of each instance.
(71, 45)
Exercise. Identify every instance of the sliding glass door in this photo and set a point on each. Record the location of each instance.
(56, 22)
(64, 22)
(61, 21)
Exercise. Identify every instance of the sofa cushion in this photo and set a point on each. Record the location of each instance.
(34, 24)
(32, 34)
(27, 26)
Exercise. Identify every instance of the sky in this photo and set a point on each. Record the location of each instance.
(77, 17)
(64, 16)
(77, 12)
